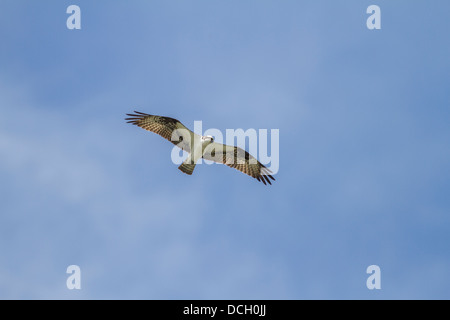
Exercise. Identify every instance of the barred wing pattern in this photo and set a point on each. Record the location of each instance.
(166, 127)
(239, 159)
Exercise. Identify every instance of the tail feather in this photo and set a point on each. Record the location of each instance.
(187, 168)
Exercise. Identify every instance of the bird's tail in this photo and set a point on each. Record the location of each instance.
(187, 168)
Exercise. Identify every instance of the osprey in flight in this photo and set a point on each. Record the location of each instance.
(201, 146)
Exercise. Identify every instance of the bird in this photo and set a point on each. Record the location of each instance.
(200, 146)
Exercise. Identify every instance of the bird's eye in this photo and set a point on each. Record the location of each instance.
(181, 138)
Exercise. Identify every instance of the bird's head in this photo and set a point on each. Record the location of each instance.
(208, 139)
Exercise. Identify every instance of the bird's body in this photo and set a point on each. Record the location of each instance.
(200, 146)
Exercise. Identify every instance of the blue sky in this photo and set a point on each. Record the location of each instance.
(364, 150)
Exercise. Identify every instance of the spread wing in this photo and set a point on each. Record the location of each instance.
(239, 159)
(168, 128)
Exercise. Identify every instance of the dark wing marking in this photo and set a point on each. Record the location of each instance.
(239, 159)
(166, 127)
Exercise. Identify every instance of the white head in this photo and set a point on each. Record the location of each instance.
(207, 139)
